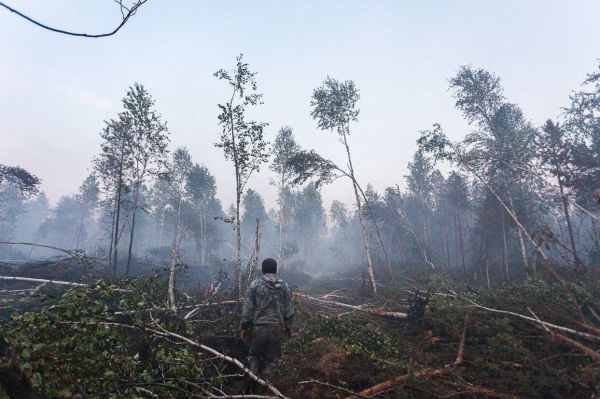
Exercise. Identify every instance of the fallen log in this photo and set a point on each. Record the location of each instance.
(535, 320)
(386, 385)
(482, 391)
(425, 373)
(359, 308)
(461, 346)
(566, 340)
(326, 384)
(199, 306)
(39, 280)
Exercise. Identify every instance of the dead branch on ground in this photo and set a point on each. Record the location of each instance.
(359, 308)
(326, 384)
(39, 280)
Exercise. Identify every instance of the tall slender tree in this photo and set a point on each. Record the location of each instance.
(420, 183)
(555, 154)
(178, 173)
(112, 166)
(502, 147)
(284, 148)
(201, 191)
(147, 140)
(334, 108)
(242, 140)
(88, 200)
(457, 195)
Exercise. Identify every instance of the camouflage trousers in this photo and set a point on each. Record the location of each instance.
(265, 350)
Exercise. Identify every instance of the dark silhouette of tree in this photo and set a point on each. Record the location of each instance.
(26, 182)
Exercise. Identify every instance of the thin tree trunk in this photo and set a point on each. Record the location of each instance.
(172, 268)
(112, 233)
(257, 245)
(487, 275)
(238, 195)
(171, 284)
(569, 225)
(506, 272)
(519, 235)
(360, 218)
(281, 221)
(80, 228)
(203, 237)
(460, 239)
(447, 245)
(132, 230)
(455, 235)
(97, 246)
(377, 230)
(118, 206)
(424, 224)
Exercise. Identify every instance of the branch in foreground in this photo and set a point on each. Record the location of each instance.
(130, 12)
(165, 333)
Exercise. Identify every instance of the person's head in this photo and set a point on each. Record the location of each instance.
(269, 265)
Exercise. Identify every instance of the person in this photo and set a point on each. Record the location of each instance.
(267, 313)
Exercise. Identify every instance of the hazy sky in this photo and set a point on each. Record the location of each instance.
(55, 90)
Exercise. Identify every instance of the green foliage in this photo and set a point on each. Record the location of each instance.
(355, 335)
(334, 105)
(93, 341)
(242, 140)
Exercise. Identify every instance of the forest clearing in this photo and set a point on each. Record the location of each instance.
(255, 259)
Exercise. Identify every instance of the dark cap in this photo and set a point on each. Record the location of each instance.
(269, 265)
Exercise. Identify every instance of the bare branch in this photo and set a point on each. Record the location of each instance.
(130, 12)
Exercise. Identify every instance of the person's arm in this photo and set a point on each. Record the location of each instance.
(288, 311)
(248, 310)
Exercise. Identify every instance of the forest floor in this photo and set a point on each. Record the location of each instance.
(535, 339)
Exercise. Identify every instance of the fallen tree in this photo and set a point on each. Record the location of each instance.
(358, 308)
(432, 372)
(124, 343)
(40, 280)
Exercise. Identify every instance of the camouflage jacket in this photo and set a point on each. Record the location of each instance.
(268, 301)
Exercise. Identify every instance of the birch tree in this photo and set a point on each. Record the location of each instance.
(147, 141)
(112, 166)
(502, 145)
(334, 108)
(242, 140)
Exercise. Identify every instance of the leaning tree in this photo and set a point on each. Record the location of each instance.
(334, 108)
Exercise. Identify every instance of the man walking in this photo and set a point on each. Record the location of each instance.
(267, 313)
